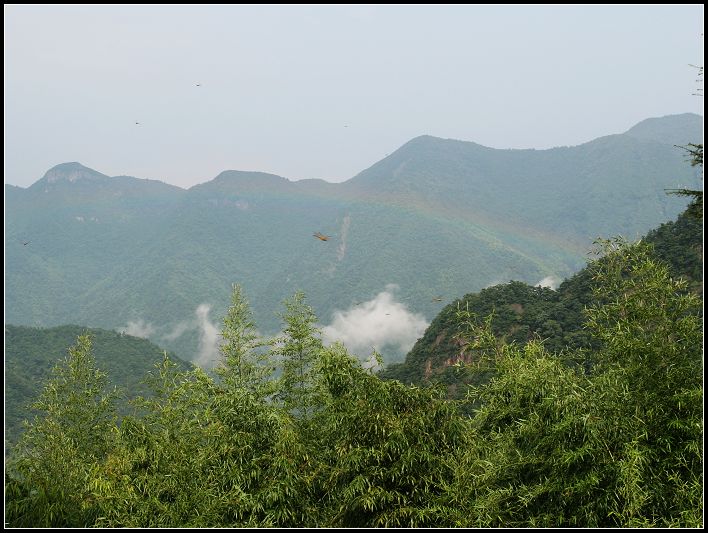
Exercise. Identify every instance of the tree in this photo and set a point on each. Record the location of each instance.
(384, 447)
(299, 349)
(649, 387)
(243, 366)
(695, 152)
(63, 447)
(206, 452)
(619, 446)
(151, 477)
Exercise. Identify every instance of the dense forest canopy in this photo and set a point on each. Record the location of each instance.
(30, 354)
(521, 312)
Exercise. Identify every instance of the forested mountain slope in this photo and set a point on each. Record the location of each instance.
(522, 312)
(437, 217)
(30, 354)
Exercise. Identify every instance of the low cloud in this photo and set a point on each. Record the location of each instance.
(209, 338)
(138, 328)
(209, 334)
(549, 281)
(375, 324)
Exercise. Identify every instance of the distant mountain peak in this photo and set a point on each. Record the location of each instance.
(670, 129)
(425, 138)
(71, 172)
(240, 180)
(247, 175)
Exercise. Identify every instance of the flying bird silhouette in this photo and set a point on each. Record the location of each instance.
(138, 123)
(199, 84)
(25, 243)
(320, 236)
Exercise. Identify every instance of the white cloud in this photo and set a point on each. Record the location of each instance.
(209, 338)
(375, 324)
(138, 328)
(549, 281)
(179, 330)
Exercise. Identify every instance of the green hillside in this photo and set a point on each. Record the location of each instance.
(323, 442)
(522, 312)
(571, 193)
(30, 354)
(437, 218)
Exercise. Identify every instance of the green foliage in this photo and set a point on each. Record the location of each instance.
(385, 447)
(299, 349)
(243, 366)
(200, 457)
(526, 461)
(30, 354)
(63, 446)
(679, 244)
(339, 447)
(522, 313)
(552, 446)
(651, 368)
(536, 440)
(695, 153)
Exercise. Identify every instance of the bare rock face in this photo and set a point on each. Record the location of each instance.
(71, 172)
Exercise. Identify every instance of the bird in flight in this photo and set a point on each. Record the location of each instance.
(320, 236)
(25, 243)
(138, 123)
(199, 84)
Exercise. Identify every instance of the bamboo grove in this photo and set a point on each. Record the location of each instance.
(288, 432)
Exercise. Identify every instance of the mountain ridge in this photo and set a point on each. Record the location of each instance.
(432, 219)
(645, 129)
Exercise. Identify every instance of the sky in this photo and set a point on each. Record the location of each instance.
(327, 91)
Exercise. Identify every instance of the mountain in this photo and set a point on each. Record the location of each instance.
(522, 312)
(672, 129)
(31, 353)
(437, 217)
(570, 193)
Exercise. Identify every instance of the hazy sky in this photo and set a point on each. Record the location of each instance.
(325, 92)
